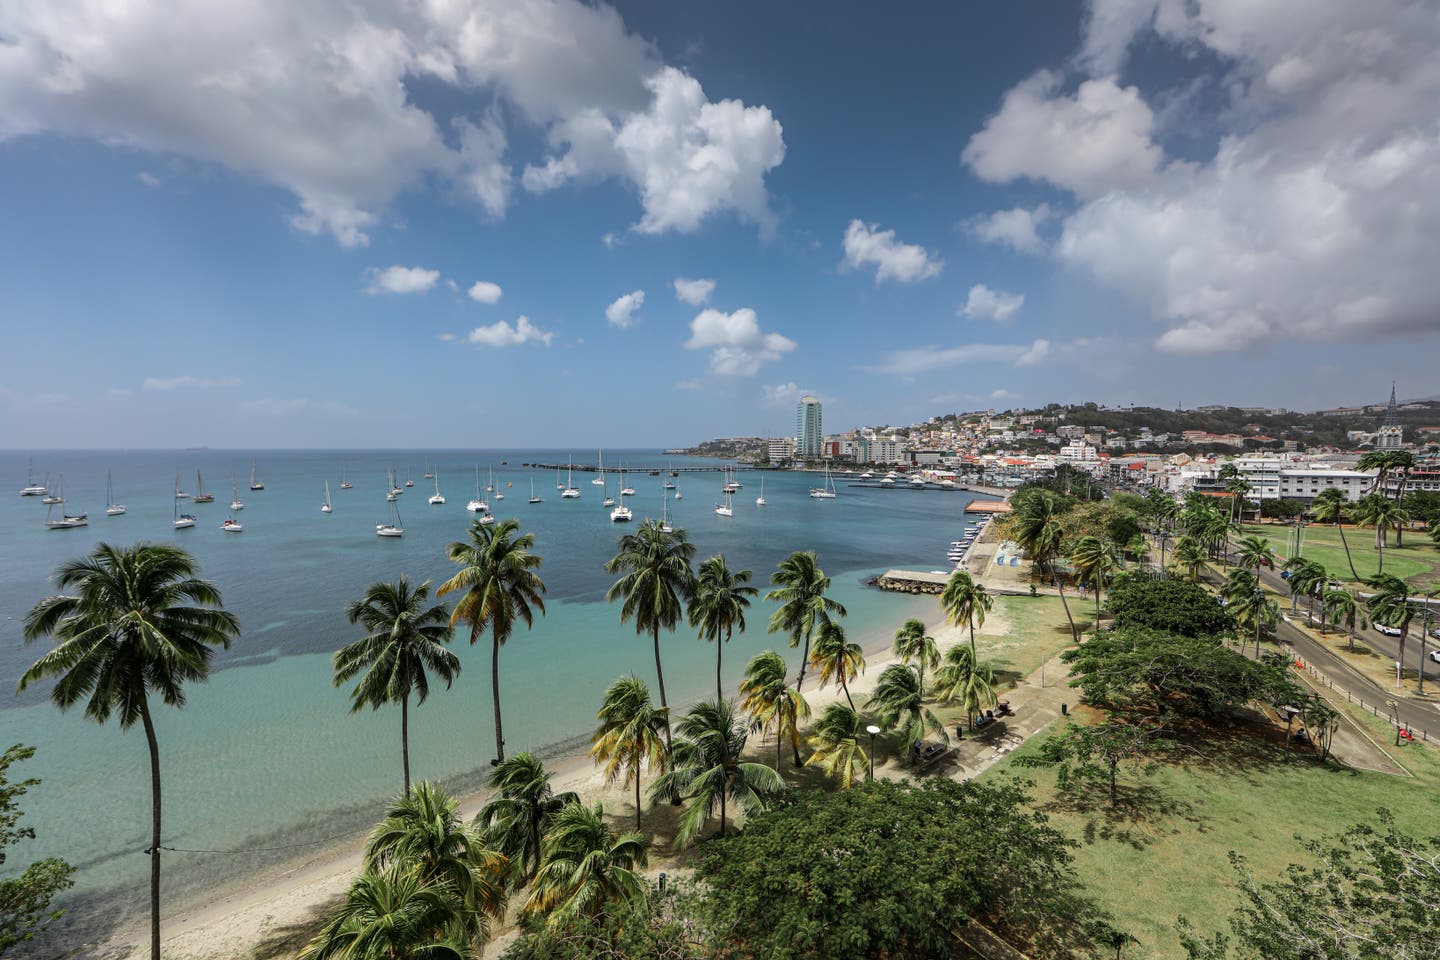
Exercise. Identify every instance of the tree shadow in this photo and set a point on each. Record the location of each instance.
(1140, 814)
(287, 940)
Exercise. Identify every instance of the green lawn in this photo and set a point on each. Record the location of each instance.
(1035, 629)
(1166, 855)
(1418, 561)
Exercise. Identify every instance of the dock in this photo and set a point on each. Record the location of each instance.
(988, 506)
(651, 471)
(911, 581)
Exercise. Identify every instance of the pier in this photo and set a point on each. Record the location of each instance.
(650, 470)
(911, 581)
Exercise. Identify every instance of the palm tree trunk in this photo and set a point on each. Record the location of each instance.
(660, 675)
(154, 829)
(405, 737)
(495, 691)
(804, 659)
(973, 658)
(719, 652)
(637, 789)
(795, 746)
(1341, 527)
(722, 812)
(1352, 634)
(1074, 633)
(846, 688)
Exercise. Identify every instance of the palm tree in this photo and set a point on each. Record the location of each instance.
(586, 868)
(717, 606)
(965, 601)
(631, 734)
(1307, 578)
(836, 739)
(386, 916)
(1094, 558)
(772, 703)
(800, 588)
(1390, 605)
(1330, 507)
(837, 659)
(707, 770)
(405, 644)
(516, 818)
(655, 581)
(897, 704)
(1190, 554)
(137, 622)
(976, 691)
(958, 664)
(1378, 511)
(1255, 552)
(913, 643)
(499, 587)
(422, 832)
(1037, 524)
(1342, 608)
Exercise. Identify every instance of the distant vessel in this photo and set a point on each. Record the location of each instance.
(533, 498)
(200, 495)
(112, 509)
(558, 484)
(326, 507)
(181, 521)
(665, 512)
(609, 501)
(231, 525)
(826, 492)
(428, 474)
(254, 484)
(57, 497)
(621, 514)
(600, 460)
(410, 477)
(760, 500)
(67, 520)
(393, 528)
(678, 495)
(726, 509)
(477, 504)
(344, 484)
(570, 492)
(438, 498)
(395, 488)
(31, 488)
(235, 502)
(625, 491)
(180, 494)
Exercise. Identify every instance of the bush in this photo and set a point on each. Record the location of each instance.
(1173, 606)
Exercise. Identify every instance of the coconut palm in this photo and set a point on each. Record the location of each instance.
(836, 658)
(1330, 507)
(406, 644)
(772, 703)
(655, 580)
(1094, 559)
(800, 588)
(707, 769)
(1036, 524)
(137, 622)
(1255, 552)
(516, 818)
(498, 587)
(1307, 579)
(976, 691)
(1390, 605)
(1378, 511)
(1343, 609)
(912, 643)
(631, 734)
(965, 601)
(386, 916)
(423, 832)
(897, 703)
(586, 868)
(958, 663)
(717, 606)
(836, 740)
(1190, 555)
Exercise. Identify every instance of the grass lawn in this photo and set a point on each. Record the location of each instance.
(1417, 562)
(1022, 631)
(1164, 854)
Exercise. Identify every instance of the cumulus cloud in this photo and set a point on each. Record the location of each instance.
(1003, 394)
(985, 303)
(693, 292)
(188, 382)
(484, 291)
(502, 334)
(924, 359)
(737, 345)
(1034, 355)
(1016, 228)
(399, 279)
(621, 313)
(781, 394)
(148, 179)
(868, 245)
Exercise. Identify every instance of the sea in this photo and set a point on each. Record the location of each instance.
(265, 761)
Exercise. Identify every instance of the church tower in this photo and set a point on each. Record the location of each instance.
(1390, 436)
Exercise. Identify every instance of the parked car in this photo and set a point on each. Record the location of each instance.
(1388, 631)
(1435, 655)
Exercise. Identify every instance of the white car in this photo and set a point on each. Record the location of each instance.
(1388, 631)
(1435, 655)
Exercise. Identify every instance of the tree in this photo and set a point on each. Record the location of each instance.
(1173, 606)
(898, 703)
(1036, 524)
(655, 581)
(974, 691)
(138, 623)
(499, 587)
(386, 916)
(965, 601)
(771, 703)
(707, 769)
(1378, 511)
(1330, 507)
(1190, 554)
(1390, 605)
(800, 588)
(1255, 552)
(836, 741)
(25, 899)
(516, 818)
(717, 606)
(1321, 720)
(631, 734)
(405, 644)
(837, 659)
(912, 643)
(1307, 578)
(1093, 754)
(957, 664)
(1094, 559)
(1342, 608)
(423, 833)
(586, 868)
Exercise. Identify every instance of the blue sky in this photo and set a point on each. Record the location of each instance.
(262, 226)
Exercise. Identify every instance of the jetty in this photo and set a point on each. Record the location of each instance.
(650, 470)
(912, 581)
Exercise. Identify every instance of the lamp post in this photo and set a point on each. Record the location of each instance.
(872, 730)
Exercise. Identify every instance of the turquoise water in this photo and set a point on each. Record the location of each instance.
(266, 754)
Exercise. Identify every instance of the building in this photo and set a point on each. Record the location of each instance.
(780, 449)
(809, 429)
(1077, 451)
(1390, 436)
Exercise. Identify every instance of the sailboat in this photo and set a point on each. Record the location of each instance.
(395, 488)
(326, 506)
(731, 484)
(826, 492)
(438, 498)
(609, 501)
(31, 488)
(726, 509)
(624, 490)
(621, 514)
(410, 477)
(760, 500)
(600, 460)
(254, 484)
(54, 497)
(344, 484)
(112, 509)
(231, 525)
(393, 528)
(665, 512)
(490, 481)
(499, 494)
(235, 502)
(570, 492)
(200, 495)
(180, 494)
(533, 498)
(477, 504)
(180, 520)
(678, 495)
(67, 520)
(428, 474)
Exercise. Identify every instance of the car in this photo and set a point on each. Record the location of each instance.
(1388, 631)
(1435, 655)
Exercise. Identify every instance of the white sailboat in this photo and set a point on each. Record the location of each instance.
(231, 525)
(678, 495)
(665, 512)
(344, 484)
(558, 484)
(533, 498)
(599, 481)
(438, 498)
(395, 488)
(409, 477)
(570, 492)
(428, 474)
(490, 480)
(760, 500)
(235, 502)
(726, 509)
(326, 506)
(625, 491)
(826, 492)
(609, 501)
(477, 503)
(393, 528)
(180, 494)
(254, 484)
(66, 520)
(112, 509)
(499, 494)
(31, 488)
(181, 521)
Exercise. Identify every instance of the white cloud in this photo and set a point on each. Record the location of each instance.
(985, 303)
(693, 292)
(1037, 353)
(484, 291)
(781, 395)
(610, 240)
(1089, 143)
(502, 334)
(483, 173)
(1015, 228)
(1003, 394)
(148, 179)
(621, 313)
(188, 382)
(118, 393)
(905, 262)
(287, 407)
(52, 398)
(399, 279)
(446, 337)
(924, 359)
(688, 385)
(737, 345)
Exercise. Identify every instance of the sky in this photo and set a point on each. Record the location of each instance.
(509, 223)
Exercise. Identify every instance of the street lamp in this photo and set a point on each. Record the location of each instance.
(872, 730)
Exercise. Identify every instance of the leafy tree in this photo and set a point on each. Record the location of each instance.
(1307, 579)
(913, 643)
(1173, 606)
(655, 582)
(516, 818)
(965, 601)
(800, 588)
(1085, 755)
(139, 622)
(717, 606)
(406, 643)
(586, 868)
(898, 703)
(499, 588)
(398, 913)
(837, 659)
(1321, 720)
(836, 741)
(772, 704)
(25, 899)
(631, 734)
(975, 691)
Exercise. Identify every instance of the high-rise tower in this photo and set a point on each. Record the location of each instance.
(809, 429)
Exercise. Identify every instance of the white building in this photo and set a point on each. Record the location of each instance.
(1307, 484)
(780, 449)
(1078, 451)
